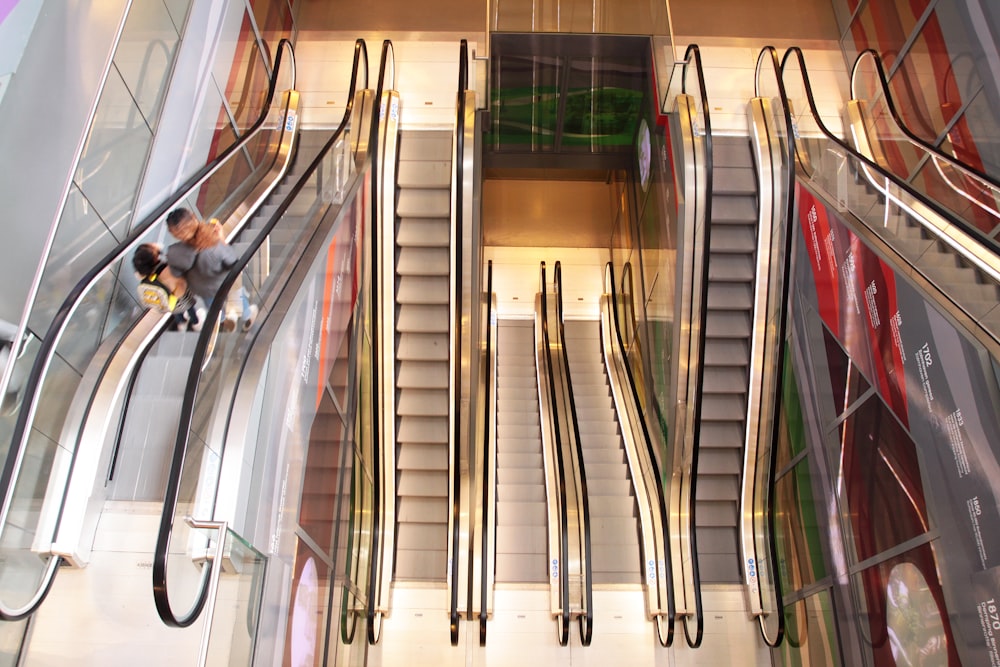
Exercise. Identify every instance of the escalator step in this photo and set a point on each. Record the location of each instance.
(728, 324)
(423, 262)
(423, 431)
(730, 296)
(428, 402)
(731, 268)
(422, 318)
(422, 346)
(423, 456)
(422, 375)
(424, 173)
(424, 203)
(732, 209)
(424, 483)
(424, 232)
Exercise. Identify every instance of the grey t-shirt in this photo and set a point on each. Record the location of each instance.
(204, 270)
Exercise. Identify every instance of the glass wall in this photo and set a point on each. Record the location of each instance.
(886, 490)
(940, 56)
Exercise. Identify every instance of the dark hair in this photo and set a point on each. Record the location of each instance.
(146, 259)
(177, 216)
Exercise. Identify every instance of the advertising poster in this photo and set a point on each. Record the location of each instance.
(922, 456)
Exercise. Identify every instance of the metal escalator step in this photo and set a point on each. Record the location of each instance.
(519, 418)
(522, 568)
(521, 514)
(422, 430)
(421, 564)
(422, 346)
(717, 487)
(609, 452)
(730, 296)
(722, 435)
(719, 379)
(718, 568)
(423, 262)
(425, 145)
(733, 239)
(422, 374)
(727, 352)
(615, 563)
(729, 209)
(720, 461)
(420, 535)
(728, 324)
(422, 318)
(521, 493)
(422, 509)
(530, 460)
(597, 486)
(611, 506)
(523, 409)
(518, 431)
(613, 530)
(513, 538)
(422, 456)
(424, 203)
(423, 173)
(731, 151)
(722, 407)
(422, 289)
(426, 402)
(722, 513)
(519, 445)
(520, 476)
(731, 268)
(734, 180)
(432, 483)
(599, 423)
(424, 232)
(717, 539)
(606, 471)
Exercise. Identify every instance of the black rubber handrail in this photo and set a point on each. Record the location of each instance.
(883, 82)
(60, 320)
(563, 628)
(586, 621)
(160, 593)
(488, 491)
(934, 152)
(693, 54)
(770, 54)
(456, 341)
(650, 448)
(795, 53)
(387, 58)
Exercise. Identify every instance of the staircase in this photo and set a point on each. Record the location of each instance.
(727, 355)
(614, 536)
(423, 238)
(521, 543)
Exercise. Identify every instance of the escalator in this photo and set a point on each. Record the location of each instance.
(889, 399)
(152, 381)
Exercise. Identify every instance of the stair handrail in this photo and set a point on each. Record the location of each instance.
(489, 438)
(550, 398)
(985, 256)
(987, 185)
(455, 326)
(60, 321)
(651, 471)
(386, 60)
(773, 344)
(202, 350)
(585, 620)
(687, 439)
